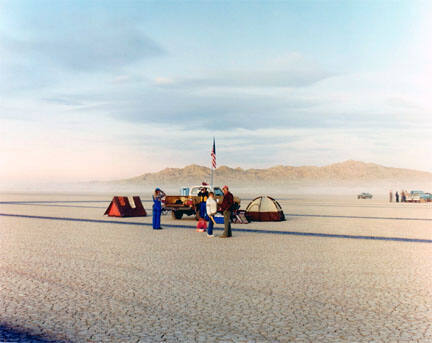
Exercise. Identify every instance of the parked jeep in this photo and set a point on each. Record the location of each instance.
(189, 204)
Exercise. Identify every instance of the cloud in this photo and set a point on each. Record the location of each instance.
(40, 59)
(255, 78)
(63, 101)
(404, 103)
(140, 103)
(86, 47)
(164, 81)
(230, 109)
(212, 111)
(293, 70)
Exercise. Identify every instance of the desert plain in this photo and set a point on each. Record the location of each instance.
(337, 270)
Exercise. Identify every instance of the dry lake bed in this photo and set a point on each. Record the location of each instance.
(337, 270)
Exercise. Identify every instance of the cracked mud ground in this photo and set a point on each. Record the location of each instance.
(96, 282)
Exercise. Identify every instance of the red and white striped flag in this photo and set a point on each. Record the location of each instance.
(213, 154)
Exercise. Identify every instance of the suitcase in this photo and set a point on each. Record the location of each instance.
(219, 219)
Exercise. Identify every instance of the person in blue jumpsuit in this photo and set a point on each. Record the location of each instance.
(157, 208)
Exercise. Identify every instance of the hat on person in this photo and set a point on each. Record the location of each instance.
(225, 187)
(157, 189)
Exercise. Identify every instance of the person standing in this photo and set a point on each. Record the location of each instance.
(211, 207)
(397, 196)
(157, 208)
(226, 207)
(203, 195)
(391, 196)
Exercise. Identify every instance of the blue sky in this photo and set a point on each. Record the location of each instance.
(112, 89)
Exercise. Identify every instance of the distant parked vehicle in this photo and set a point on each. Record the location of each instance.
(415, 196)
(426, 197)
(419, 196)
(364, 196)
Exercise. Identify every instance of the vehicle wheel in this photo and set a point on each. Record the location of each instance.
(177, 214)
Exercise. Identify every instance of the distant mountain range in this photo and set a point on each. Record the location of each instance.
(346, 172)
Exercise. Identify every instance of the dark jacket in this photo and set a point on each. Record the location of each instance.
(203, 195)
(227, 203)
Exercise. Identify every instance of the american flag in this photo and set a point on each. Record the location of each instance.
(213, 154)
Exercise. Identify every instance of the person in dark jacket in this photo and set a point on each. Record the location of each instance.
(226, 208)
(203, 196)
(397, 196)
(157, 208)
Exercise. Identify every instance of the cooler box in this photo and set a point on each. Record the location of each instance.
(219, 219)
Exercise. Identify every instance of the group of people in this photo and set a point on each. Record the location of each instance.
(399, 197)
(225, 207)
(208, 208)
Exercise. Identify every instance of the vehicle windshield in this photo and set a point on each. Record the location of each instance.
(218, 192)
(196, 190)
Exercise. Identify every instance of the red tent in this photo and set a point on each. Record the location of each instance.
(264, 209)
(121, 207)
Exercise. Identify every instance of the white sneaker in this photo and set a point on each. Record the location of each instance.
(210, 236)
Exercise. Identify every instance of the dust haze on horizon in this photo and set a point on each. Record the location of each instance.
(96, 91)
(345, 178)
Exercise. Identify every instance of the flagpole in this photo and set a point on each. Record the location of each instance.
(213, 162)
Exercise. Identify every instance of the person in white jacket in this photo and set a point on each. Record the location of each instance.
(211, 207)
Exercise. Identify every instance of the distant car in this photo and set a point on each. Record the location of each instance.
(426, 197)
(420, 196)
(364, 196)
(416, 196)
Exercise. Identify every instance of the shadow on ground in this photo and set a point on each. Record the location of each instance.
(11, 334)
(272, 232)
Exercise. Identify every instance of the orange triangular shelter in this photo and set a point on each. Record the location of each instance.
(121, 207)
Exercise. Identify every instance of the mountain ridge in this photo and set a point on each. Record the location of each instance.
(346, 171)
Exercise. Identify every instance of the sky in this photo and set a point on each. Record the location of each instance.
(100, 90)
